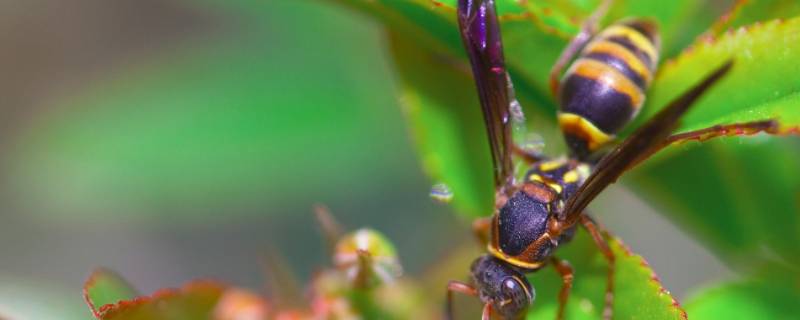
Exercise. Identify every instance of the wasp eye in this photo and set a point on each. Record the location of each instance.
(514, 288)
(516, 296)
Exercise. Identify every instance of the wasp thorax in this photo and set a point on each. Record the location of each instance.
(521, 221)
(520, 227)
(503, 286)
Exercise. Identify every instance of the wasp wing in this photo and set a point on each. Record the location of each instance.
(644, 141)
(480, 32)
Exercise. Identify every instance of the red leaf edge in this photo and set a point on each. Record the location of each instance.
(653, 276)
(166, 293)
(90, 283)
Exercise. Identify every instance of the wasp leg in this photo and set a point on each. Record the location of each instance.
(565, 270)
(599, 236)
(481, 228)
(527, 156)
(455, 286)
(487, 312)
(588, 29)
(735, 129)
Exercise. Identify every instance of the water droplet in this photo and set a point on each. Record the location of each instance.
(440, 192)
(532, 144)
(516, 111)
(586, 305)
(518, 129)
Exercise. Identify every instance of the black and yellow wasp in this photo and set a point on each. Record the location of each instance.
(599, 94)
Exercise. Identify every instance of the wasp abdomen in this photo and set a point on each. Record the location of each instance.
(605, 87)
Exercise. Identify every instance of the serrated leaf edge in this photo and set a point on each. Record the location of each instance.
(110, 309)
(714, 40)
(654, 279)
(90, 283)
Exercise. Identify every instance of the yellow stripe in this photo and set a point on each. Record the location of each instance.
(638, 40)
(622, 53)
(514, 261)
(551, 165)
(571, 176)
(579, 126)
(608, 76)
(555, 186)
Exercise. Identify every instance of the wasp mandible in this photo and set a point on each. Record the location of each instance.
(598, 95)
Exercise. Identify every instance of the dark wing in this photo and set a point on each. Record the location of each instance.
(645, 139)
(480, 32)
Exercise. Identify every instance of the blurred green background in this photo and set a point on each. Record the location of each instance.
(172, 140)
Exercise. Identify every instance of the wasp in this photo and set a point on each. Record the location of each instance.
(601, 92)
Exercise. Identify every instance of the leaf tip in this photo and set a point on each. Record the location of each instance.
(213, 289)
(653, 277)
(91, 282)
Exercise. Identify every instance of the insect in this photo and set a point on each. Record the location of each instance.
(599, 94)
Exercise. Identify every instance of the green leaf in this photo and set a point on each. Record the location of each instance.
(37, 297)
(534, 32)
(438, 98)
(105, 287)
(727, 184)
(443, 125)
(195, 300)
(638, 293)
(762, 84)
(739, 195)
(772, 296)
(757, 11)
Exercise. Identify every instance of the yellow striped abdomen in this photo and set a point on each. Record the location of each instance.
(605, 87)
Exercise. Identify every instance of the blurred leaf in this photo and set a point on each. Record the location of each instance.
(437, 96)
(105, 287)
(445, 126)
(772, 296)
(739, 195)
(249, 120)
(241, 304)
(638, 293)
(38, 297)
(193, 301)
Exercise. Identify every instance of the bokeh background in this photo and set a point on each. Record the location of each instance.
(174, 139)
